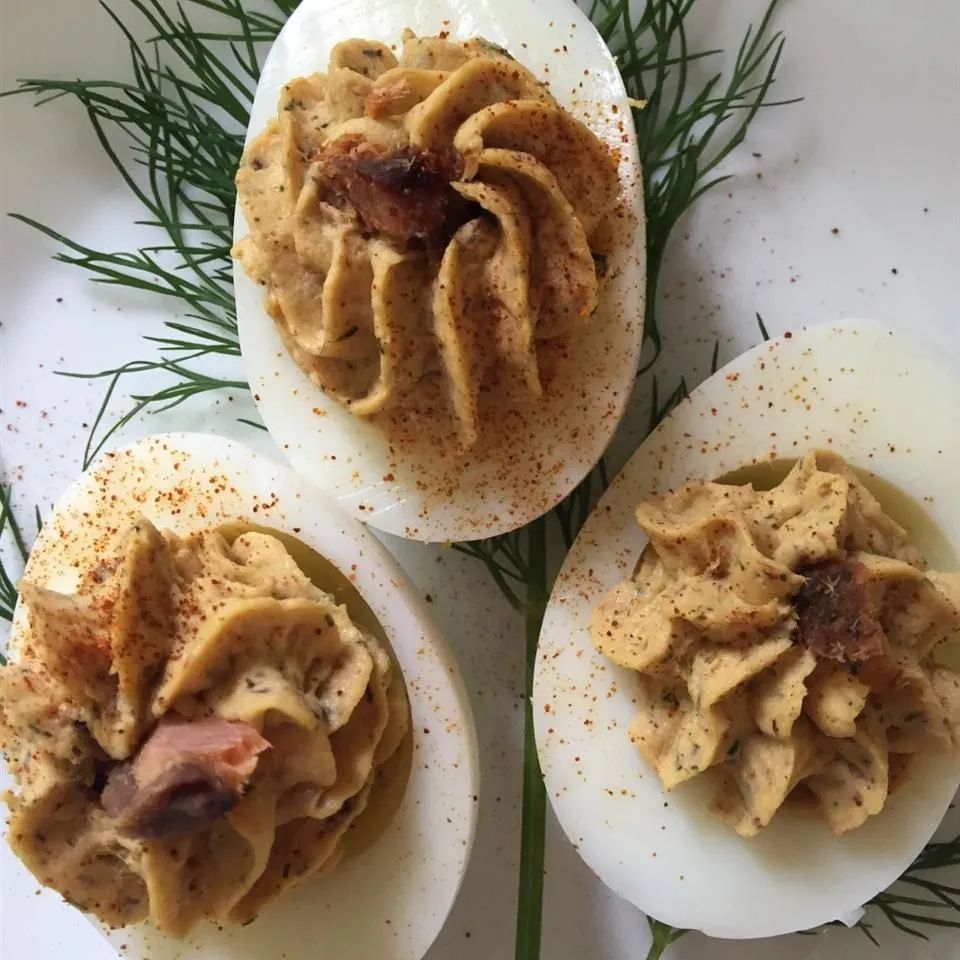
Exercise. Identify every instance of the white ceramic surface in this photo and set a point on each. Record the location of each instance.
(545, 450)
(887, 407)
(870, 151)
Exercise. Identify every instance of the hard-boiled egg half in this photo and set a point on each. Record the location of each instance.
(414, 483)
(890, 409)
(406, 856)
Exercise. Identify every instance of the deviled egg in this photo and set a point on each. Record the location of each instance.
(679, 736)
(440, 257)
(215, 714)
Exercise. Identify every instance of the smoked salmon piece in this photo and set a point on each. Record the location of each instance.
(186, 775)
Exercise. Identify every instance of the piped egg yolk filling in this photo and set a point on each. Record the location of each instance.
(193, 731)
(423, 225)
(785, 639)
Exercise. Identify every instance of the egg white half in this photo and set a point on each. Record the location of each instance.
(390, 900)
(558, 441)
(888, 407)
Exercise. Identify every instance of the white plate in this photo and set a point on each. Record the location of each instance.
(887, 407)
(390, 900)
(551, 446)
(866, 151)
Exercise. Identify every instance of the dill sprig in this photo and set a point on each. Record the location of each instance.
(9, 525)
(663, 935)
(533, 807)
(571, 514)
(922, 896)
(683, 137)
(175, 137)
(684, 134)
(14, 549)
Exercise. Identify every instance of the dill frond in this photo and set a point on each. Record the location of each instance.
(174, 134)
(684, 134)
(922, 897)
(14, 549)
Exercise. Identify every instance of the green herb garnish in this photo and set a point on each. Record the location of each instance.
(183, 117)
(13, 549)
(175, 137)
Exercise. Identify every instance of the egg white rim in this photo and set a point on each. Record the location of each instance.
(839, 386)
(409, 878)
(350, 458)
